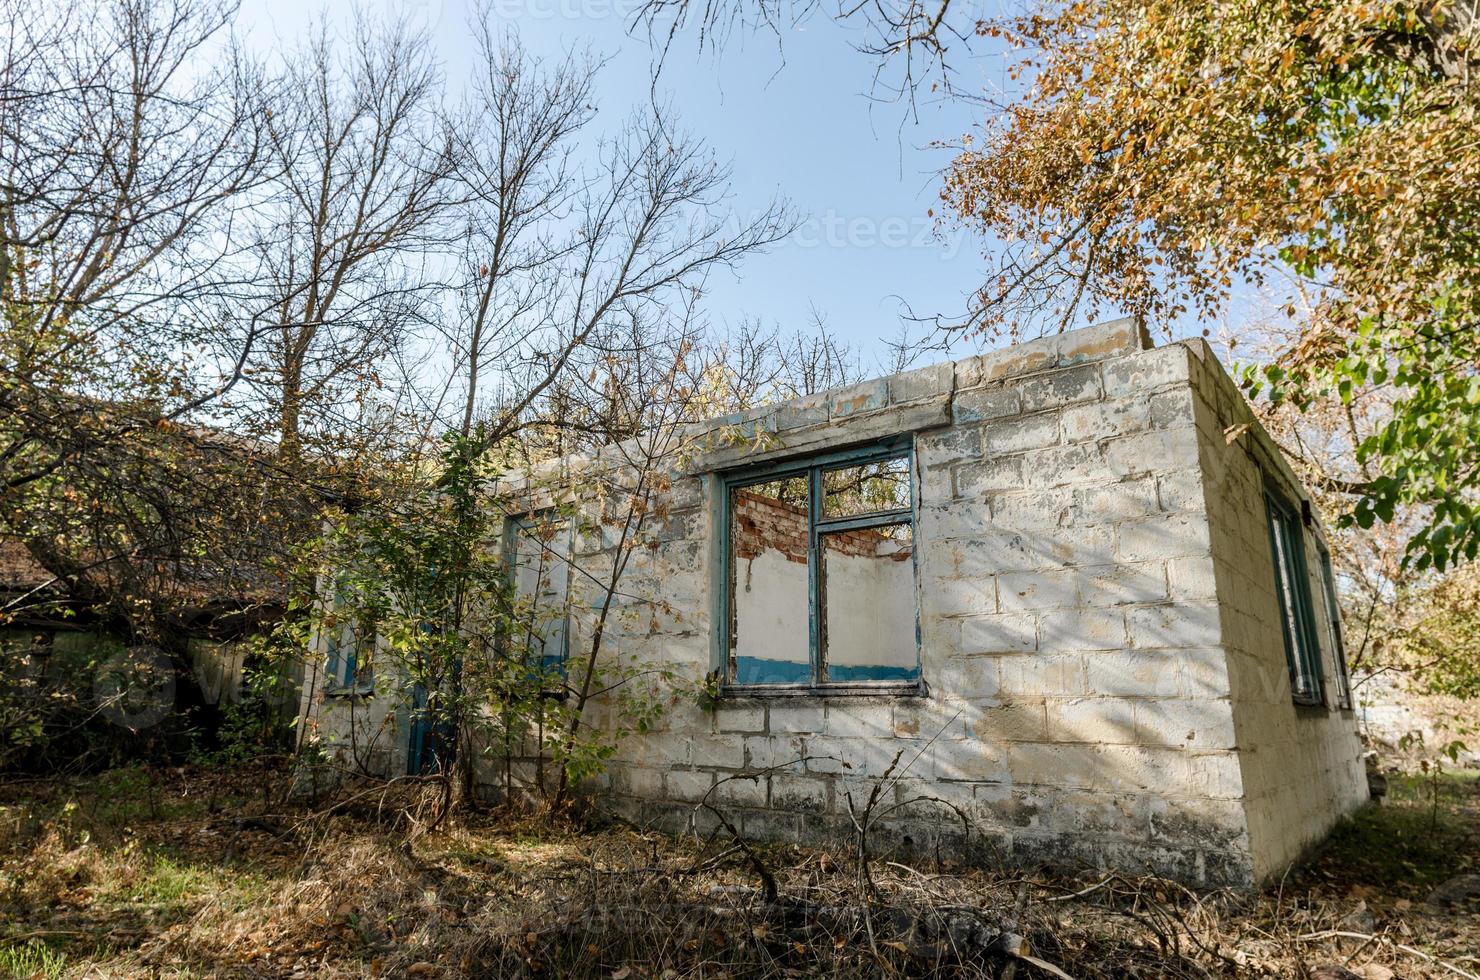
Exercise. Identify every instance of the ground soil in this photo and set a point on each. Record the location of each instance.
(206, 871)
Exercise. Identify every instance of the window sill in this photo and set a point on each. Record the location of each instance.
(906, 689)
(342, 691)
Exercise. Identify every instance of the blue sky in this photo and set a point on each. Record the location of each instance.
(795, 121)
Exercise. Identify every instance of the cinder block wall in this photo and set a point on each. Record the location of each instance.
(1080, 702)
(1301, 766)
(1100, 647)
(358, 731)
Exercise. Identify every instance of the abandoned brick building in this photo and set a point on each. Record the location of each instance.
(1073, 581)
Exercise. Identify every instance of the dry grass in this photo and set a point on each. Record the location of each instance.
(139, 873)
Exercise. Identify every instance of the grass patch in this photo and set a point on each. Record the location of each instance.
(156, 873)
(166, 881)
(1408, 846)
(31, 960)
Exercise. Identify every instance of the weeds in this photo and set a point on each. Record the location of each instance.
(91, 886)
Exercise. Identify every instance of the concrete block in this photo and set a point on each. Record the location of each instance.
(968, 373)
(1018, 807)
(975, 479)
(973, 761)
(927, 382)
(1065, 465)
(1033, 508)
(826, 756)
(982, 404)
(1105, 419)
(871, 719)
(1101, 586)
(934, 489)
(965, 677)
(657, 750)
(1018, 720)
(1082, 629)
(1192, 579)
(1195, 724)
(647, 783)
(1204, 673)
(1055, 673)
(1019, 359)
(1168, 409)
(1031, 432)
(1107, 721)
(1101, 340)
(875, 756)
(1154, 452)
(1181, 490)
(954, 445)
(796, 716)
(1133, 674)
(1216, 775)
(1123, 500)
(932, 719)
(798, 793)
(718, 751)
(772, 751)
(1056, 765)
(1146, 371)
(740, 718)
(740, 791)
(1181, 625)
(1063, 387)
(958, 597)
(1019, 591)
(691, 787)
(1002, 633)
(1139, 769)
(770, 825)
(856, 399)
(855, 792)
(1160, 537)
(1096, 815)
(994, 550)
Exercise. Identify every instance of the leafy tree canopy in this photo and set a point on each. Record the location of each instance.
(1165, 151)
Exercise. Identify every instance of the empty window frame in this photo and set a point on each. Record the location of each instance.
(819, 573)
(537, 550)
(347, 669)
(1292, 587)
(1333, 632)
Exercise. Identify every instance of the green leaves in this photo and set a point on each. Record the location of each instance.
(426, 582)
(1252, 140)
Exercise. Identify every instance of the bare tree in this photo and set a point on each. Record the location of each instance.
(755, 364)
(120, 165)
(515, 143)
(131, 134)
(910, 38)
(120, 169)
(341, 239)
(563, 254)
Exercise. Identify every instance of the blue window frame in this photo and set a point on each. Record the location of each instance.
(1292, 587)
(1333, 630)
(537, 552)
(347, 670)
(817, 585)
